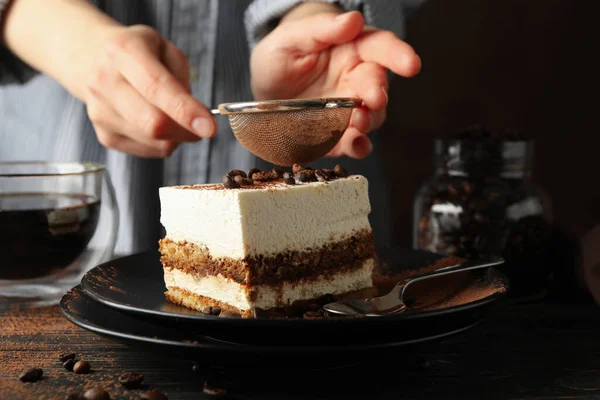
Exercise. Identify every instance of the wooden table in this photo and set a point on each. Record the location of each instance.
(535, 351)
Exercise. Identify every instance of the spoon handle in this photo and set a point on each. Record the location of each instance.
(468, 265)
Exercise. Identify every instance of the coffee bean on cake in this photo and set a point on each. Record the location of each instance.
(229, 183)
(237, 172)
(320, 176)
(252, 172)
(264, 176)
(339, 171)
(278, 171)
(328, 173)
(305, 175)
(240, 180)
(288, 179)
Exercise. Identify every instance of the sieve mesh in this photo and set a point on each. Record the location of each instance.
(291, 136)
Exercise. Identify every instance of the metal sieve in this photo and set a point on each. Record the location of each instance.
(285, 132)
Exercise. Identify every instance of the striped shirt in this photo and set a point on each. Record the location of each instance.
(39, 120)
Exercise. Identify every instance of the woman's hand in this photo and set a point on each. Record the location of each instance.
(134, 82)
(333, 55)
(138, 95)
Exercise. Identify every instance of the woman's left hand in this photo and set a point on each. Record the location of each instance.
(333, 55)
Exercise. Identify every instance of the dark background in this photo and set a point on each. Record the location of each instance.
(526, 65)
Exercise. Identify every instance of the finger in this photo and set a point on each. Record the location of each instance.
(360, 119)
(377, 118)
(369, 81)
(365, 121)
(127, 145)
(104, 117)
(157, 84)
(386, 49)
(148, 120)
(176, 62)
(354, 144)
(318, 32)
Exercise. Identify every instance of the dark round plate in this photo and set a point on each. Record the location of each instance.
(118, 326)
(134, 284)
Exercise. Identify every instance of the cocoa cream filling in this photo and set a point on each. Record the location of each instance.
(344, 255)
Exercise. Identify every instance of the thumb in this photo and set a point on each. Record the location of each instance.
(318, 32)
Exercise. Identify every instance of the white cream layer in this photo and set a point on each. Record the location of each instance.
(230, 292)
(240, 222)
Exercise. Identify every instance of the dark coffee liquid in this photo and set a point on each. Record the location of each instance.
(42, 233)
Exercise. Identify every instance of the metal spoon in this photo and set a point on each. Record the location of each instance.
(393, 302)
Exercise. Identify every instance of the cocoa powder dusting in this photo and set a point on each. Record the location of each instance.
(35, 338)
(438, 293)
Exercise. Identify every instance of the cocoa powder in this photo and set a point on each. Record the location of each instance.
(35, 338)
(438, 293)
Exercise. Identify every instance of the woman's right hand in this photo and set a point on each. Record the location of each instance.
(137, 93)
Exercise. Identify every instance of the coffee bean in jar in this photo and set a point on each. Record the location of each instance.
(481, 203)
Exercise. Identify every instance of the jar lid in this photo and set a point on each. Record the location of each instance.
(484, 155)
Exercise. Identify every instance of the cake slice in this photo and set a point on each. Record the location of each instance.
(268, 241)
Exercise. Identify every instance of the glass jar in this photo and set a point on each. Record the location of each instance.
(481, 203)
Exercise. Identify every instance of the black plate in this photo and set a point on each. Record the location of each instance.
(118, 326)
(134, 284)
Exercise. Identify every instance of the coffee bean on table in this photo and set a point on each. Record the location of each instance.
(66, 356)
(69, 364)
(131, 380)
(82, 367)
(154, 395)
(31, 375)
(297, 168)
(96, 394)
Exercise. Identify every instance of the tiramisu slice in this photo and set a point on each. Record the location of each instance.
(266, 240)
